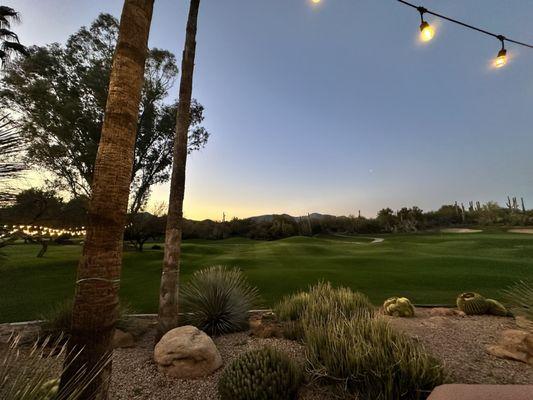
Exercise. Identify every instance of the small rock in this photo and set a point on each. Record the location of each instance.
(514, 344)
(187, 353)
(123, 339)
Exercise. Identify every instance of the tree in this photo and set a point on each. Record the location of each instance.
(9, 40)
(142, 227)
(168, 294)
(60, 94)
(96, 298)
(11, 145)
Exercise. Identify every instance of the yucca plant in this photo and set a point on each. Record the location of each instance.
(217, 299)
(520, 299)
(28, 374)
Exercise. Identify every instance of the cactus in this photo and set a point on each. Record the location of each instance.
(399, 307)
(497, 308)
(265, 374)
(472, 303)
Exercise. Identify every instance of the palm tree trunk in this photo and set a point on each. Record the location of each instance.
(98, 278)
(168, 294)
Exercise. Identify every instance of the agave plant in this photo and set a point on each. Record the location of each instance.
(27, 374)
(217, 300)
(520, 299)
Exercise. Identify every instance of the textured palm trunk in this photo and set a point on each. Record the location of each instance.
(98, 276)
(168, 294)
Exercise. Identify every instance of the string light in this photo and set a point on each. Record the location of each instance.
(426, 33)
(426, 30)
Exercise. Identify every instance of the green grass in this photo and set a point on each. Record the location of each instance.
(427, 268)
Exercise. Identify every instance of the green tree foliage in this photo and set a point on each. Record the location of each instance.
(60, 94)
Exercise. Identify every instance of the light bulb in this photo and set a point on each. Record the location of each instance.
(426, 32)
(501, 59)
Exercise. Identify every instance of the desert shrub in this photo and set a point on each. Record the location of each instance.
(26, 374)
(398, 307)
(217, 300)
(265, 374)
(520, 299)
(367, 358)
(294, 310)
(57, 320)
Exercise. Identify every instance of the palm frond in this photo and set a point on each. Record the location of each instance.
(7, 34)
(14, 47)
(520, 299)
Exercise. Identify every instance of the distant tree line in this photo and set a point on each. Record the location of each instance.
(46, 207)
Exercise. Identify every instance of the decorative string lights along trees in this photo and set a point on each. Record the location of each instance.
(427, 31)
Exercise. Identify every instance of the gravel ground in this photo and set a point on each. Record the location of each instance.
(458, 341)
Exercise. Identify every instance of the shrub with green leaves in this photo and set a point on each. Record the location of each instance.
(216, 300)
(367, 358)
(265, 374)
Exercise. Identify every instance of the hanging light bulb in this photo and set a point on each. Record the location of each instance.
(427, 32)
(501, 58)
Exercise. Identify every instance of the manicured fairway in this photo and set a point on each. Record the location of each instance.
(428, 268)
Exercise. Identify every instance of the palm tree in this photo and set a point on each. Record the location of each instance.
(9, 41)
(98, 277)
(168, 294)
(11, 145)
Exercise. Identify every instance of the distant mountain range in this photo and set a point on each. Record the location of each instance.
(270, 217)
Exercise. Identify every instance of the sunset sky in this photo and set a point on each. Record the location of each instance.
(337, 108)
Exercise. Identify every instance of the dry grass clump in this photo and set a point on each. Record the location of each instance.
(28, 374)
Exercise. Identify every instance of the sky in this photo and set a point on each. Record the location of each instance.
(338, 107)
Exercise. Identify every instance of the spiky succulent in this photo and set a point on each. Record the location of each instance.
(497, 308)
(472, 303)
(265, 374)
(217, 300)
(398, 307)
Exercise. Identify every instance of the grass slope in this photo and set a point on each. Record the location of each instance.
(428, 268)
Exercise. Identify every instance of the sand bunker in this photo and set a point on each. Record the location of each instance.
(528, 231)
(460, 230)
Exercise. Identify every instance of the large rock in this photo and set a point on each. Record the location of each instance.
(514, 344)
(187, 353)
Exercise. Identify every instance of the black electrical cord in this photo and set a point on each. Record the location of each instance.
(501, 38)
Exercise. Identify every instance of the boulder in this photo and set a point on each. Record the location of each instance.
(122, 339)
(514, 344)
(187, 353)
(265, 326)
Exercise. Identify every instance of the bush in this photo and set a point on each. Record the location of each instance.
(264, 374)
(57, 320)
(217, 300)
(367, 358)
(322, 299)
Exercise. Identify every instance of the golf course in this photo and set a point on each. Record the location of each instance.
(429, 268)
